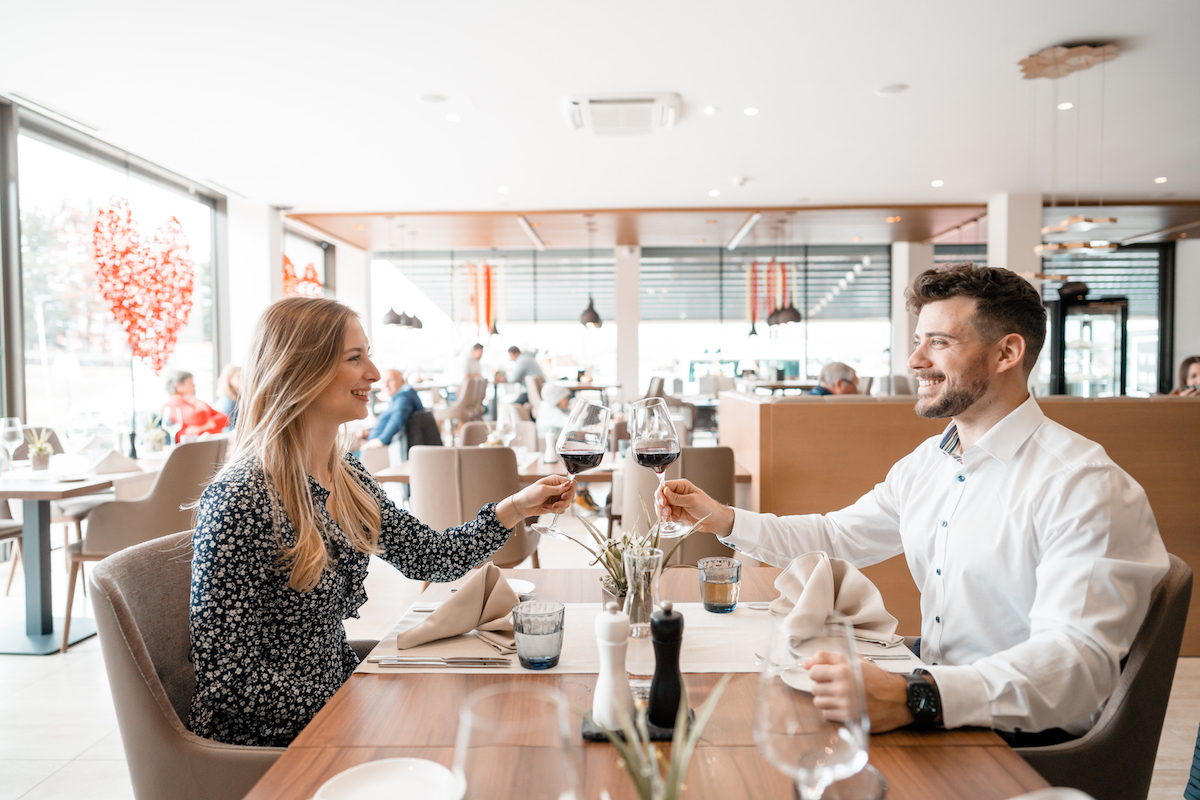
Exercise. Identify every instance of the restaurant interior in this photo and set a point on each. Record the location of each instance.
(700, 219)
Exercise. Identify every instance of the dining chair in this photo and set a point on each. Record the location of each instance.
(116, 525)
(464, 408)
(1115, 759)
(656, 388)
(714, 471)
(10, 531)
(375, 458)
(533, 388)
(448, 486)
(474, 434)
(901, 385)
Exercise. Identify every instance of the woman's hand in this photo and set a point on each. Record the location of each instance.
(681, 501)
(551, 495)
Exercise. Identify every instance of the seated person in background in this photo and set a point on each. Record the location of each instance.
(285, 530)
(837, 378)
(1189, 378)
(196, 415)
(227, 393)
(552, 413)
(1035, 554)
(471, 366)
(403, 402)
(524, 365)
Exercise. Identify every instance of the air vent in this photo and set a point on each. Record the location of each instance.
(622, 113)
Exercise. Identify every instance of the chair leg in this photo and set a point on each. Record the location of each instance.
(16, 559)
(75, 565)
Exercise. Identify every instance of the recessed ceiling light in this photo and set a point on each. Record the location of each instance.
(891, 90)
(714, 192)
(856, 239)
(433, 98)
(358, 226)
(453, 118)
(892, 219)
(937, 184)
(534, 224)
(1160, 180)
(1065, 106)
(750, 112)
(699, 241)
(710, 110)
(503, 190)
(710, 221)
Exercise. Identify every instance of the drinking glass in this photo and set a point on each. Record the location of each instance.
(643, 567)
(172, 423)
(12, 433)
(815, 748)
(514, 741)
(720, 579)
(656, 446)
(538, 629)
(580, 447)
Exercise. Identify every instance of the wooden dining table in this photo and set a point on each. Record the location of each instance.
(415, 715)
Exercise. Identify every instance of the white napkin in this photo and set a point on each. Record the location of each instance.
(112, 461)
(814, 585)
(482, 604)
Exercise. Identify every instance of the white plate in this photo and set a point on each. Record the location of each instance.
(521, 587)
(410, 778)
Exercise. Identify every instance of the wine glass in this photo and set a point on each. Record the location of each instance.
(815, 748)
(580, 447)
(12, 433)
(656, 446)
(514, 741)
(172, 423)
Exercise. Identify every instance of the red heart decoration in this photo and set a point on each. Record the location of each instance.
(147, 284)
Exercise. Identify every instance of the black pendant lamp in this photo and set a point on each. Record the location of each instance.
(391, 317)
(787, 314)
(415, 322)
(405, 320)
(590, 318)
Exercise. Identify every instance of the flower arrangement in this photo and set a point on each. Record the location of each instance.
(39, 447)
(610, 553)
(645, 763)
(155, 435)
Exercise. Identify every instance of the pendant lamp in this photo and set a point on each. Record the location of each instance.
(589, 317)
(391, 317)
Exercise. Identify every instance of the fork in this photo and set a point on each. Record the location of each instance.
(443, 659)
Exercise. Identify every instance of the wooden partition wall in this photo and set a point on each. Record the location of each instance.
(815, 454)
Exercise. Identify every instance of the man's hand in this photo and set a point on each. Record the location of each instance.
(833, 685)
(681, 501)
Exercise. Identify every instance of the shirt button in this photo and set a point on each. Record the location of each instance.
(943, 523)
(939, 572)
(937, 619)
(961, 478)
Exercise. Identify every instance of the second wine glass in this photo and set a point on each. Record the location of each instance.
(12, 433)
(655, 446)
(580, 446)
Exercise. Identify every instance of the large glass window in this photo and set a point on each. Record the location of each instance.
(303, 266)
(78, 361)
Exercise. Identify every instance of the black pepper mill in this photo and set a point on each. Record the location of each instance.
(666, 688)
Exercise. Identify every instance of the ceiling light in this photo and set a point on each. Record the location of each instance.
(710, 110)
(891, 90)
(714, 192)
(710, 222)
(937, 184)
(851, 275)
(453, 118)
(391, 317)
(433, 98)
(358, 226)
(1160, 180)
(866, 261)
(1078, 224)
(503, 190)
(589, 318)
(750, 222)
(750, 112)
(843, 283)
(892, 219)
(858, 268)
(699, 241)
(856, 239)
(1065, 106)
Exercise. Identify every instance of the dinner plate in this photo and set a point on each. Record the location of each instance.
(410, 778)
(521, 587)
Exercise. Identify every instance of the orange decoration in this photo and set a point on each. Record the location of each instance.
(307, 286)
(148, 284)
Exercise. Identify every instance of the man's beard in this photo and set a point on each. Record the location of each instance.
(954, 400)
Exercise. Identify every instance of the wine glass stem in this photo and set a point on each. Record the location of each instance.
(554, 522)
(807, 792)
(662, 481)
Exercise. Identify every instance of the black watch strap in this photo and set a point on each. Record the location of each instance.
(924, 699)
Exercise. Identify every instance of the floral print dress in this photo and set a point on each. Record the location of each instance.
(268, 657)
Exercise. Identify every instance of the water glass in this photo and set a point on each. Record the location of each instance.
(720, 579)
(538, 628)
(514, 740)
(12, 433)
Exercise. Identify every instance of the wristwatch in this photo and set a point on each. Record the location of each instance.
(924, 700)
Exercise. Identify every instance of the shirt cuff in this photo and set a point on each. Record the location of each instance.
(964, 696)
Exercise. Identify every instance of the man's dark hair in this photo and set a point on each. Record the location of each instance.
(1006, 302)
(514, 350)
(477, 346)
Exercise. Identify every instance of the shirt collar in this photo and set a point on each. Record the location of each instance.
(1005, 438)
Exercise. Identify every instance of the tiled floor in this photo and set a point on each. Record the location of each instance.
(59, 738)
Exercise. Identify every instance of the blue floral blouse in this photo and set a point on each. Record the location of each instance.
(268, 657)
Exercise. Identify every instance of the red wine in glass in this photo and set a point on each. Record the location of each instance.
(657, 458)
(656, 446)
(580, 447)
(579, 460)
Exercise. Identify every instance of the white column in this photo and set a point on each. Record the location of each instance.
(354, 280)
(255, 264)
(1187, 290)
(629, 286)
(1014, 228)
(909, 259)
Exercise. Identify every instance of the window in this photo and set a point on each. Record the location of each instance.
(77, 359)
(304, 266)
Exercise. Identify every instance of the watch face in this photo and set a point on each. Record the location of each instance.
(922, 700)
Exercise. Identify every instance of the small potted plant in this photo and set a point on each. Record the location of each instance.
(39, 447)
(155, 436)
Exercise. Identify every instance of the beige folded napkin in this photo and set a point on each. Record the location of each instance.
(483, 604)
(814, 585)
(112, 461)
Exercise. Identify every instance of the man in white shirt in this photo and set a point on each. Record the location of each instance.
(471, 362)
(1035, 554)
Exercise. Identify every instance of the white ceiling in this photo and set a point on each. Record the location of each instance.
(317, 105)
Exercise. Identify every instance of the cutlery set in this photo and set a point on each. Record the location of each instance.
(436, 661)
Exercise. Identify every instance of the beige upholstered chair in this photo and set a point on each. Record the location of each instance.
(375, 458)
(474, 434)
(119, 524)
(10, 532)
(449, 485)
(656, 387)
(533, 388)
(901, 385)
(141, 600)
(468, 403)
(1115, 759)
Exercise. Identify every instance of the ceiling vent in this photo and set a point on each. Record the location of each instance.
(618, 113)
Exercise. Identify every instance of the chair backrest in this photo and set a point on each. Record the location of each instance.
(713, 470)
(478, 394)
(22, 451)
(448, 486)
(533, 388)
(526, 435)
(141, 600)
(864, 384)
(1115, 759)
(900, 385)
(656, 387)
(164, 509)
(474, 434)
(421, 430)
(375, 459)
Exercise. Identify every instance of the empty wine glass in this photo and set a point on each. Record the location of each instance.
(656, 446)
(580, 447)
(514, 741)
(12, 433)
(172, 423)
(814, 747)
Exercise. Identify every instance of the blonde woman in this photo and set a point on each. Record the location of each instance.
(283, 533)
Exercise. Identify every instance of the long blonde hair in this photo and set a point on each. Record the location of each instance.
(296, 352)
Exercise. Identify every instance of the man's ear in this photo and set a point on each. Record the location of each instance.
(1010, 352)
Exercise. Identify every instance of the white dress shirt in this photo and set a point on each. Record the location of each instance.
(1035, 557)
